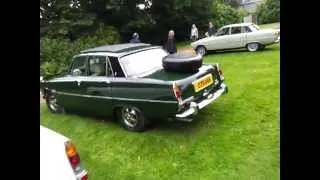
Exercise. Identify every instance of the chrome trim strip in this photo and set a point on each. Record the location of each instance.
(116, 98)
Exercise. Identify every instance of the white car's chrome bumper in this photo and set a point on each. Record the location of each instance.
(195, 107)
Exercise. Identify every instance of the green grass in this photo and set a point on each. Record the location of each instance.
(236, 137)
(272, 25)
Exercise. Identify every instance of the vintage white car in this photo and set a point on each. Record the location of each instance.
(237, 36)
(59, 158)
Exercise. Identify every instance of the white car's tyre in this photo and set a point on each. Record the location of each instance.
(253, 47)
(201, 50)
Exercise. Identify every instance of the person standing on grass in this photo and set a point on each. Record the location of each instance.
(194, 33)
(170, 45)
(135, 38)
(211, 29)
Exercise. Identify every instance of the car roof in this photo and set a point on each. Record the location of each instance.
(117, 48)
(239, 24)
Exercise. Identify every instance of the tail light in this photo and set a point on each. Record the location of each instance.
(177, 91)
(85, 177)
(72, 155)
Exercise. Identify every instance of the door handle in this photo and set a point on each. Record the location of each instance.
(78, 82)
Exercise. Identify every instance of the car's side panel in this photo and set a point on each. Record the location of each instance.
(66, 90)
(235, 40)
(97, 97)
(156, 100)
(263, 37)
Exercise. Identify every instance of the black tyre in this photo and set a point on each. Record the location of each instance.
(52, 104)
(131, 118)
(180, 62)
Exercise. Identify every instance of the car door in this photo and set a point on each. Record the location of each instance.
(236, 38)
(96, 86)
(218, 41)
(67, 88)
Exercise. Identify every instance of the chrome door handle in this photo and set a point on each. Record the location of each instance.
(78, 82)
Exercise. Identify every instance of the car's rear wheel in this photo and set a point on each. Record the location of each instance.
(201, 50)
(132, 118)
(253, 47)
(52, 104)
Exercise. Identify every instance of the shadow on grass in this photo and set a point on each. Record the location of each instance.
(266, 49)
(205, 119)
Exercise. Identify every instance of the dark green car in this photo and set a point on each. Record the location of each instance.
(128, 81)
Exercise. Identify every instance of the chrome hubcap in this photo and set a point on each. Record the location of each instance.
(253, 46)
(53, 103)
(130, 116)
(201, 51)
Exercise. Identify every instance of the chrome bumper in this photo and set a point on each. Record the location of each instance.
(195, 107)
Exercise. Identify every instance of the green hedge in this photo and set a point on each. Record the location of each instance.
(56, 54)
(225, 14)
(269, 12)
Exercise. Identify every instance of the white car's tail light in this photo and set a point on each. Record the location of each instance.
(74, 159)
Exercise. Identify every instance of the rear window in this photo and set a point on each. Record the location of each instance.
(142, 62)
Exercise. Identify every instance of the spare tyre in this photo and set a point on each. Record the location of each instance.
(180, 62)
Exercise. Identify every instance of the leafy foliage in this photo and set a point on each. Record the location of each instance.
(68, 26)
(56, 54)
(224, 14)
(269, 12)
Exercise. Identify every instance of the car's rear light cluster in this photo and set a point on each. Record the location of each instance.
(74, 158)
(177, 92)
(85, 177)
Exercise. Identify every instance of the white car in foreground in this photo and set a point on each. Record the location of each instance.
(59, 159)
(237, 36)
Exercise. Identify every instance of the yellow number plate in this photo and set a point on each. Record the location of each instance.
(203, 83)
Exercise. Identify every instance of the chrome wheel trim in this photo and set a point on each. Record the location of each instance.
(253, 47)
(201, 50)
(52, 102)
(130, 116)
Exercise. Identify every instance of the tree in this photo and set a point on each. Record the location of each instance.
(223, 14)
(179, 15)
(269, 12)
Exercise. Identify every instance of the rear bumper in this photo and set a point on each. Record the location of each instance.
(83, 175)
(195, 107)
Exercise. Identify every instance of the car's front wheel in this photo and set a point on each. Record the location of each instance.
(253, 47)
(201, 50)
(132, 118)
(52, 105)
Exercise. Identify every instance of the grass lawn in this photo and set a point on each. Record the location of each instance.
(236, 137)
(271, 25)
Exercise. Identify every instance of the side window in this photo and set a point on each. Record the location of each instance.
(224, 31)
(79, 66)
(97, 66)
(235, 30)
(100, 66)
(117, 70)
(246, 29)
